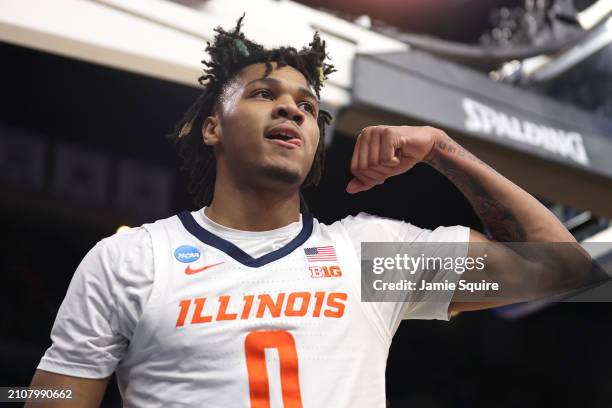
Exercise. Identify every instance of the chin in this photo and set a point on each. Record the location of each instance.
(282, 175)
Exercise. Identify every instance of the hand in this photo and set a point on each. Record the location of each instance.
(385, 151)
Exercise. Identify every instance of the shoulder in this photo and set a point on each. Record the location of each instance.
(374, 228)
(137, 242)
(122, 260)
(129, 244)
(368, 227)
(374, 222)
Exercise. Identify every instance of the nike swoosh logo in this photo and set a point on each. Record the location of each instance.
(190, 271)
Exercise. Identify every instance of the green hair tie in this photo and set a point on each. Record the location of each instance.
(241, 47)
(321, 74)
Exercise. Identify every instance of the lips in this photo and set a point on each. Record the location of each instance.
(285, 135)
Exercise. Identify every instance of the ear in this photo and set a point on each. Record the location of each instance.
(211, 130)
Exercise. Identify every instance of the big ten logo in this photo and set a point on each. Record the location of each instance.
(325, 271)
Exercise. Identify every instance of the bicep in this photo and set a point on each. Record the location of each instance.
(501, 266)
(85, 392)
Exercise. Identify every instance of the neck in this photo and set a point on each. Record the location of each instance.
(252, 209)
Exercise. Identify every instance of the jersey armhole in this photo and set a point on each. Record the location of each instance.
(159, 244)
(371, 313)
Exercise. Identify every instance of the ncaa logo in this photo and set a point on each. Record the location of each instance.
(187, 253)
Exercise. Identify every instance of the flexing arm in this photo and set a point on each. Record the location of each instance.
(510, 213)
(86, 393)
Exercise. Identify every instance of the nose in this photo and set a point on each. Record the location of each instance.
(288, 109)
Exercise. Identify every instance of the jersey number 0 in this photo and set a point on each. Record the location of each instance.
(255, 344)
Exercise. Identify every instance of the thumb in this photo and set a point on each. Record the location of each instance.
(356, 186)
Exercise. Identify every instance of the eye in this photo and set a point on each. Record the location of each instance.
(264, 93)
(308, 107)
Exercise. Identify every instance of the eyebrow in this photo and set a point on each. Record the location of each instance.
(305, 92)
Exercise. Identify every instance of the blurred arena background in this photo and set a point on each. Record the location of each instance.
(90, 88)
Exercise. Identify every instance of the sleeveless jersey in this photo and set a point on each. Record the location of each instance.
(286, 329)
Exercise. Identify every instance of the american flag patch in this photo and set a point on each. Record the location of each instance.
(321, 254)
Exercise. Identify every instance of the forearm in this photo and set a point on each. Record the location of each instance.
(509, 212)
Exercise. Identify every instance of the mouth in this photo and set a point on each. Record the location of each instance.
(286, 136)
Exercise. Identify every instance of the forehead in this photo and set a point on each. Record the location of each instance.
(286, 74)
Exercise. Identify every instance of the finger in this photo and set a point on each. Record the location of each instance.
(393, 162)
(364, 149)
(387, 151)
(374, 149)
(374, 175)
(384, 171)
(355, 158)
(365, 179)
(356, 186)
(370, 178)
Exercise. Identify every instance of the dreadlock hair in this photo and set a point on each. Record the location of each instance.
(229, 53)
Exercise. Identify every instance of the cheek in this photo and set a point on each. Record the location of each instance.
(240, 129)
(314, 139)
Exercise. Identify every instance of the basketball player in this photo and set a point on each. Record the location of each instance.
(248, 301)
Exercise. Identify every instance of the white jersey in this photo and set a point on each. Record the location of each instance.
(187, 318)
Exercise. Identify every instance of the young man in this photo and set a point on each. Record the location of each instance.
(248, 301)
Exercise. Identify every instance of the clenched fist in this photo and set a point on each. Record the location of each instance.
(385, 151)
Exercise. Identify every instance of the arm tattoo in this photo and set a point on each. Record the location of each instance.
(498, 218)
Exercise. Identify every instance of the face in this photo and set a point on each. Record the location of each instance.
(265, 132)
